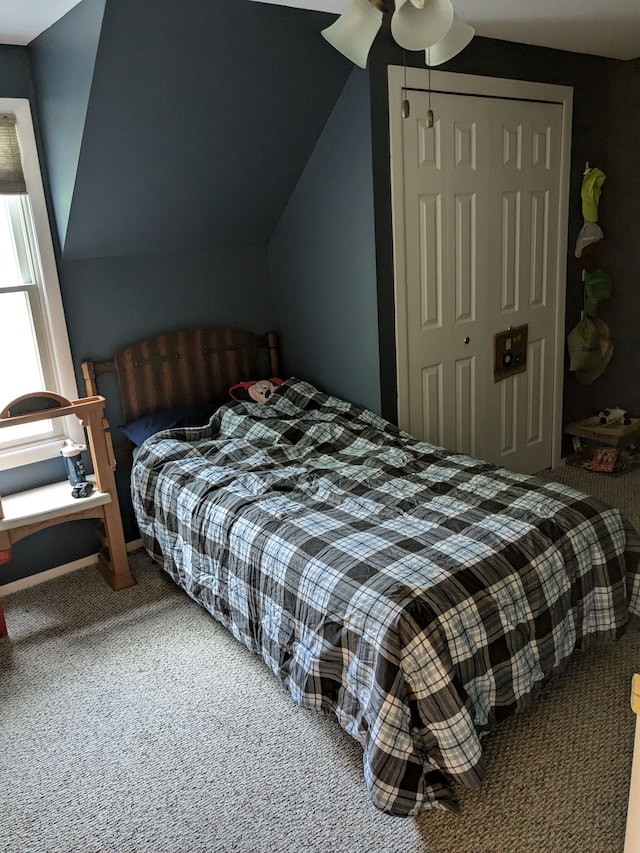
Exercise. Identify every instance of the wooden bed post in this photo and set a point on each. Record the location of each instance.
(114, 563)
(274, 361)
(89, 373)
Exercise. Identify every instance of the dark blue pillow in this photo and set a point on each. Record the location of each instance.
(181, 416)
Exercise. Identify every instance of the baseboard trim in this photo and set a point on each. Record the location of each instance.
(58, 571)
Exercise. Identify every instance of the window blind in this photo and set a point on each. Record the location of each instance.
(11, 173)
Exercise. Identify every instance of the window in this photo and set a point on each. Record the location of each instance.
(34, 345)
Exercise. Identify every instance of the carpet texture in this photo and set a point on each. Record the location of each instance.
(132, 721)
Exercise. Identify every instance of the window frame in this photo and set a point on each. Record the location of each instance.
(49, 318)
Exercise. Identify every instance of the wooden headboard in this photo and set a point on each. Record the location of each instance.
(187, 367)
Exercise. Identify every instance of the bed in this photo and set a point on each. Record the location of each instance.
(419, 595)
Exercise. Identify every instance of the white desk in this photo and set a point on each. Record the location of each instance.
(32, 510)
(46, 503)
(27, 512)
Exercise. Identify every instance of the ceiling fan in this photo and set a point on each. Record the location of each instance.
(429, 25)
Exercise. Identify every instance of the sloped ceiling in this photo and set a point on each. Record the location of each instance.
(62, 69)
(610, 29)
(200, 119)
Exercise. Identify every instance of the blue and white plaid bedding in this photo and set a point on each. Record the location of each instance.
(419, 595)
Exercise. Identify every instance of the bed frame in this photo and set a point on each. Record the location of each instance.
(186, 367)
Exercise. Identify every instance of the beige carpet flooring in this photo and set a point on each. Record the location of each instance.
(132, 721)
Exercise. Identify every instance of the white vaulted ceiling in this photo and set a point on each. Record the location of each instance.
(22, 20)
(610, 28)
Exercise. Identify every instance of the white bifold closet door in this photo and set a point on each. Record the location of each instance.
(481, 203)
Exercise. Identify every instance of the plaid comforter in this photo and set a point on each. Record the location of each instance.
(419, 595)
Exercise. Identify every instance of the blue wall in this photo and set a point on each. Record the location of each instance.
(136, 294)
(15, 76)
(323, 259)
(173, 140)
(201, 118)
(619, 216)
(62, 61)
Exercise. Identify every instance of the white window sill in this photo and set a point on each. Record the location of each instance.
(16, 457)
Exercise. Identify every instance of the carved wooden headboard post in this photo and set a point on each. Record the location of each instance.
(89, 374)
(91, 369)
(274, 358)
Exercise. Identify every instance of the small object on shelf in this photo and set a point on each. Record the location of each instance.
(615, 416)
(611, 434)
(603, 459)
(81, 490)
(73, 464)
(589, 438)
